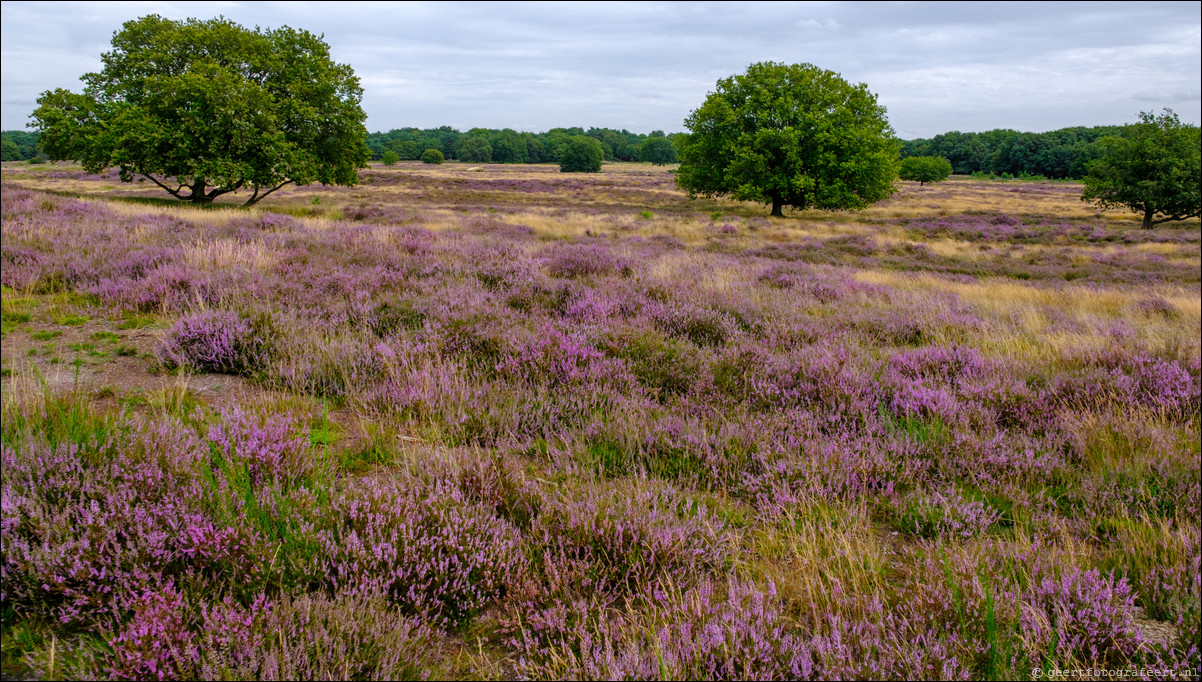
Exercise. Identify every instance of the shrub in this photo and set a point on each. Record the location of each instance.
(666, 367)
(924, 169)
(432, 156)
(390, 158)
(315, 637)
(217, 341)
(582, 154)
(699, 324)
(435, 552)
(583, 260)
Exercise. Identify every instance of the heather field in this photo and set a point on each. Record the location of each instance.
(502, 422)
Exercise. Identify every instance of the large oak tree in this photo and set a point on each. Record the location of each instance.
(1155, 170)
(205, 108)
(790, 135)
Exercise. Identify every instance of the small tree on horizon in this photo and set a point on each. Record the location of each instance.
(390, 158)
(924, 169)
(581, 154)
(432, 156)
(1156, 169)
(657, 149)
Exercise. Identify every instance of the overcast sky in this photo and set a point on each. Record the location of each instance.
(937, 67)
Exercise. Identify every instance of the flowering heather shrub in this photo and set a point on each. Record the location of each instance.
(502, 267)
(1083, 615)
(87, 530)
(279, 222)
(274, 449)
(167, 287)
(593, 446)
(584, 260)
(1163, 385)
(633, 536)
(825, 285)
(851, 245)
(381, 214)
(702, 325)
(836, 468)
(496, 481)
(20, 267)
(558, 360)
(665, 367)
(806, 249)
(948, 365)
(696, 633)
(915, 399)
(1156, 307)
(324, 366)
(306, 637)
(156, 643)
(1010, 457)
(314, 637)
(430, 549)
(1130, 379)
(823, 378)
(217, 341)
(1013, 403)
(946, 515)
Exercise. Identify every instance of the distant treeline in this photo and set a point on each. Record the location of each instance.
(1056, 154)
(18, 145)
(481, 145)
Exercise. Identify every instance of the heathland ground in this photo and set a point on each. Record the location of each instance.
(499, 421)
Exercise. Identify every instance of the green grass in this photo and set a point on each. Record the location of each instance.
(60, 418)
(14, 312)
(71, 320)
(133, 321)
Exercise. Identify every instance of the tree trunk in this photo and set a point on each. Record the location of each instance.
(198, 193)
(777, 205)
(1147, 219)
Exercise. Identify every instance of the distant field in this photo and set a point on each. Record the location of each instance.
(502, 422)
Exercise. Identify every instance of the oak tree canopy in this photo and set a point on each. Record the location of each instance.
(205, 108)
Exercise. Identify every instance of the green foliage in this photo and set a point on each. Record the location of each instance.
(474, 149)
(510, 146)
(390, 158)
(790, 135)
(657, 150)
(1155, 170)
(9, 151)
(432, 156)
(210, 104)
(666, 367)
(18, 145)
(924, 169)
(1055, 154)
(581, 154)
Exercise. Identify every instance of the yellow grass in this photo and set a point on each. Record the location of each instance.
(225, 253)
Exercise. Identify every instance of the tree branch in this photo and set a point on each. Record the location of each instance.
(219, 191)
(255, 198)
(174, 192)
(1175, 216)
